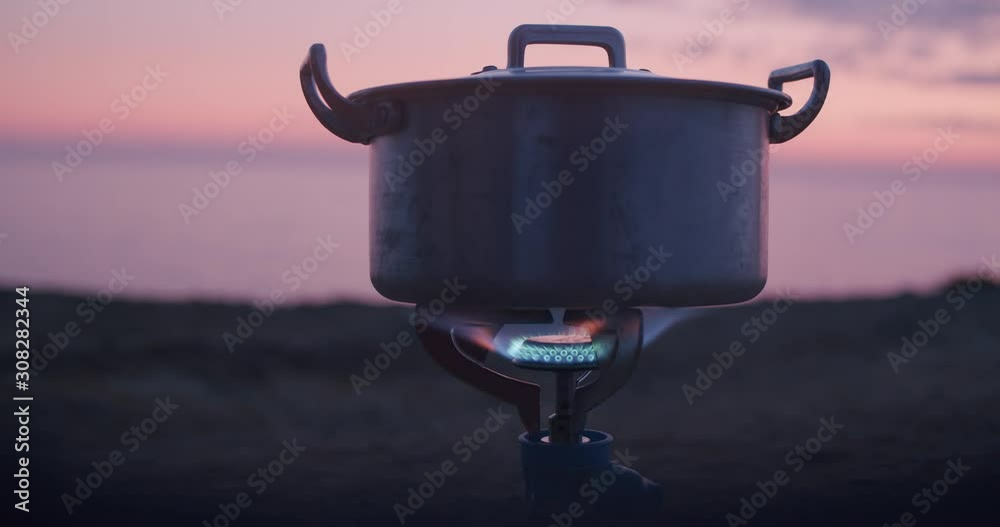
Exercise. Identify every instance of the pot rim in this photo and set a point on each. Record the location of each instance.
(575, 81)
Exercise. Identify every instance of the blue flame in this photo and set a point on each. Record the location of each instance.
(568, 349)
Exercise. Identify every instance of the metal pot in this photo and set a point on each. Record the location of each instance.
(567, 186)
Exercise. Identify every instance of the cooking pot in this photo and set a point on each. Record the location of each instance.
(585, 187)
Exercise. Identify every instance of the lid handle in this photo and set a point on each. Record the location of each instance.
(608, 38)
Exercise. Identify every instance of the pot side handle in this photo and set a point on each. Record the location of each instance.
(786, 128)
(608, 38)
(352, 121)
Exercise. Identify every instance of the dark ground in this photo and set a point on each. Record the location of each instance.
(289, 380)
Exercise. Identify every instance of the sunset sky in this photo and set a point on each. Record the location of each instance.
(226, 69)
(940, 68)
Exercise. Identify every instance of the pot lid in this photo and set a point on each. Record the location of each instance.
(611, 80)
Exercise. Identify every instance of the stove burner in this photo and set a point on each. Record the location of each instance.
(557, 352)
(590, 361)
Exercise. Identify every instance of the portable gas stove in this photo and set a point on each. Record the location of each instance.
(591, 360)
